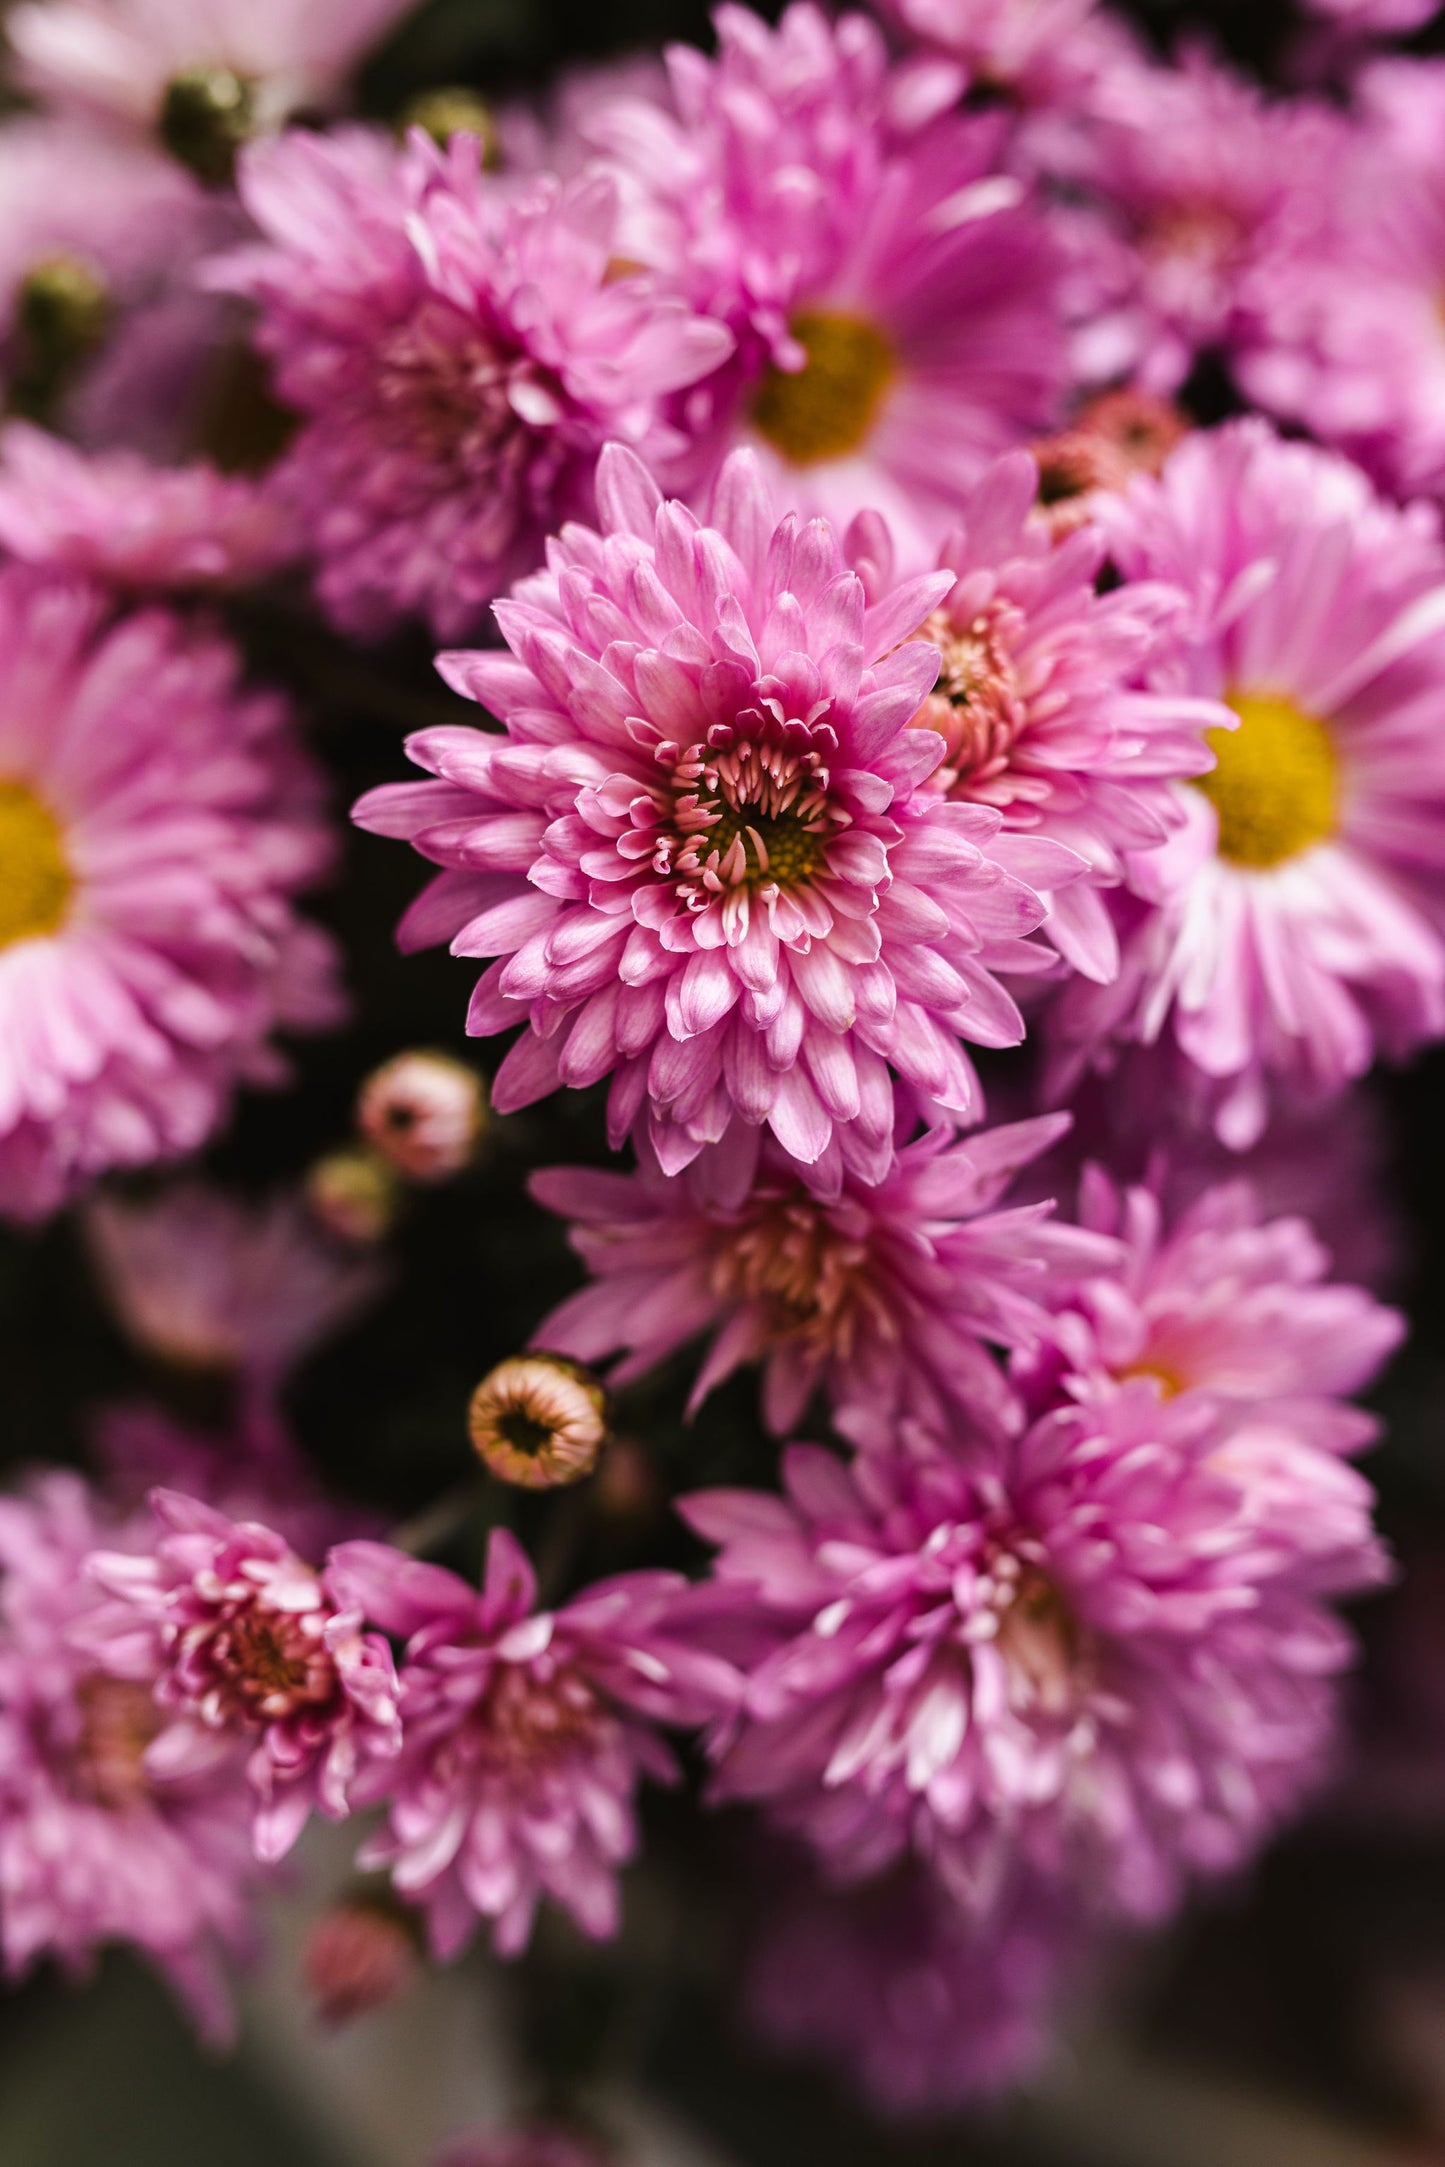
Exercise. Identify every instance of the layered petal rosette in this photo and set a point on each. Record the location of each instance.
(526, 1734)
(706, 846)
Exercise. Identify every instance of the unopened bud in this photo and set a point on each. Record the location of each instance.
(455, 110)
(354, 1195)
(206, 114)
(361, 1954)
(539, 1420)
(62, 316)
(423, 1112)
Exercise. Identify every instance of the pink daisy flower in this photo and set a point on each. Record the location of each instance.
(244, 1641)
(896, 303)
(156, 822)
(526, 1733)
(207, 1282)
(96, 1844)
(1037, 701)
(886, 1296)
(1042, 51)
(1075, 1656)
(706, 846)
(1292, 927)
(120, 520)
(459, 351)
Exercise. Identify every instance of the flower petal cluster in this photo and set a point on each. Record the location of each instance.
(1291, 929)
(459, 352)
(96, 1845)
(158, 821)
(889, 1296)
(706, 847)
(526, 1733)
(245, 1641)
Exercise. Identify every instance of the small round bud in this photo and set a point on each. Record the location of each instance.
(358, 1956)
(206, 115)
(539, 1420)
(354, 1195)
(62, 316)
(423, 1112)
(455, 110)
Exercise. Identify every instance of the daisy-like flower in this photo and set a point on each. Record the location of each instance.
(207, 1282)
(459, 352)
(96, 1844)
(164, 65)
(706, 846)
(526, 1733)
(424, 1113)
(1036, 699)
(896, 303)
(123, 521)
(1041, 51)
(245, 1642)
(538, 1420)
(908, 1998)
(1292, 928)
(1077, 1658)
(888, 1296)
(156, 822)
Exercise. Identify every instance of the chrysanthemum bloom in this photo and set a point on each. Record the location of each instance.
(1036, 698)
(1292, 928)
(1110, 440)
(538, 1420)
(208, 1282)
(896, 304)
(908, 1998)
(97, 1845)
(526, 1733)
(1041, 51)
(888, 1296)
(707, 847)
(148, 61)
(424, 1113)
(246, 1642)
(1078, 1658)
(459, 352)
(1206, 199)
(156, 822)
(121, 520)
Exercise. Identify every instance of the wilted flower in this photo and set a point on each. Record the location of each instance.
(538, 1420)
(424, 1113)
(245, 1643)
(526, 1733)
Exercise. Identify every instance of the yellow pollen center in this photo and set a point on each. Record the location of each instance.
(780, 849)
(1168, 1383)
(1275, 785)
(35, 879)
(826, 409)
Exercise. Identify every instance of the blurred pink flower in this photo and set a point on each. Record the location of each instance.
(525, 1734)
(707, 848)
(156, 822)
(459, 351)
(537, 2147)
(1042, 51)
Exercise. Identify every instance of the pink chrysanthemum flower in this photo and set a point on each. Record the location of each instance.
(1205, 198)
(1042, 51)
(96, 1844)
(117, 58)
(156, 822)
(897, 306)
(915, 2003)
(707, 846)
(1037, 702)
(526, 1733)
(245, 1641)
(1293, 927)
(1077, 1656)
(459, 351)
(208, 1282)
(118, 519)
(887, 1296)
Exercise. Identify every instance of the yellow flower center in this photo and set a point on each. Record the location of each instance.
(35, 879)
(1275, 785)
(826, 409)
